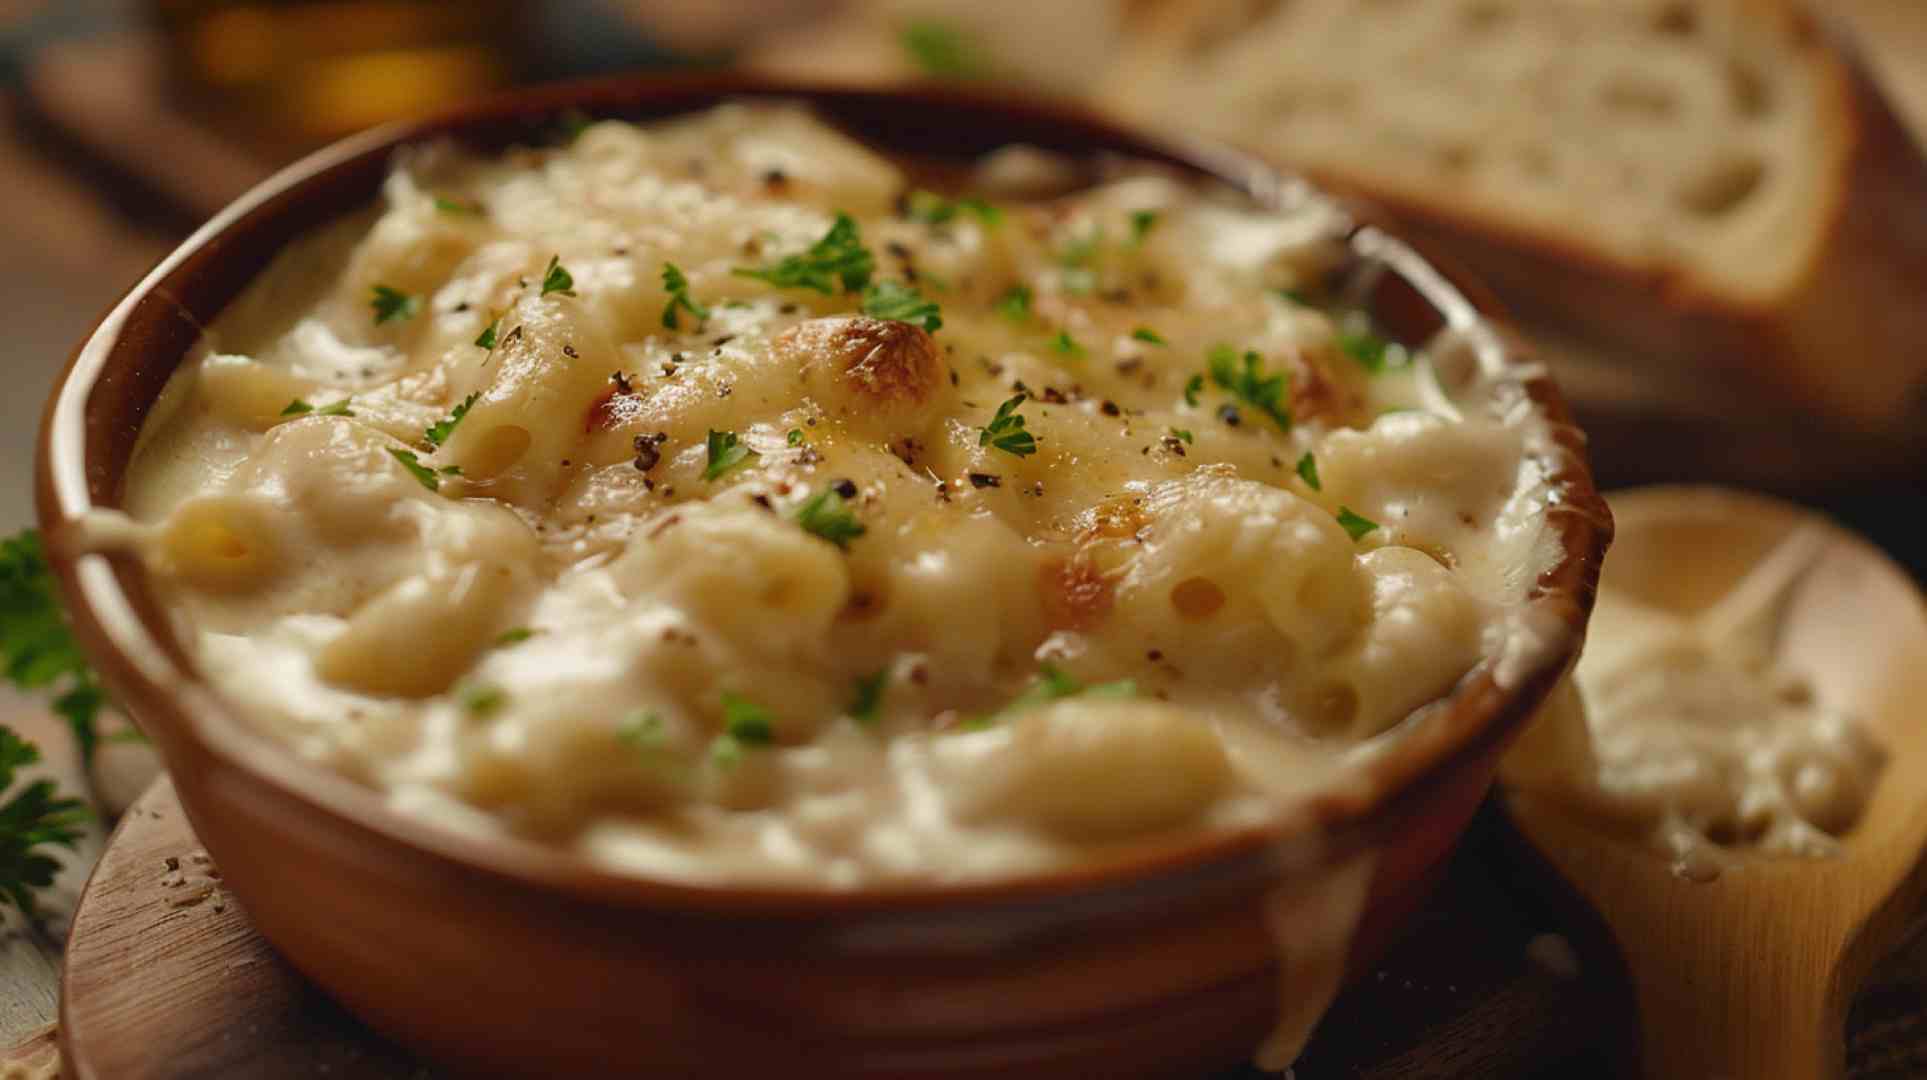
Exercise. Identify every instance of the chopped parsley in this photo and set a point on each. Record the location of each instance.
(1055, 684)
(867, 707)
(1250, 384)
(1308, 471)
(556, 279)
(1192, 387)
(898, 302)
(34, 817)
(1354, 524)
(1142, 222)
(427, 477)
(838, 258)
(298, 407)
(391, 304)
(483, 700)
(795, 437)
(747, 722)
(1295, 296)
(1015, 304)
(37, 650)
(486, 339)
(825, 515)
(1373, 352)
(933, 209)
(438, 434)
(942, 50)
(463, 207)
(726, 452)
(1145, 333)
(515, 636)
(677, 286)
(1006, 430)
(644, 730)
(1066, 345)
(1180, 433)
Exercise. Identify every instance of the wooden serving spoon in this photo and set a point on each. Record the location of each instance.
(1748, 976)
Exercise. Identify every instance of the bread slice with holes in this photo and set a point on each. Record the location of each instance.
(1687, 182)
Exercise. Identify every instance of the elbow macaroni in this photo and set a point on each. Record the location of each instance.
(745, 587)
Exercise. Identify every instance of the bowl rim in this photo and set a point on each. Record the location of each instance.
(135, 650)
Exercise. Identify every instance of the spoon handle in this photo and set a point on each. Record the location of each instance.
(1739, 1018)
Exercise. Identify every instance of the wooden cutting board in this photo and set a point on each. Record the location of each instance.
(166, 980)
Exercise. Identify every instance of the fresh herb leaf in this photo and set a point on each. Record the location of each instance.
(1055, 684)
(1142, 222)
(747, 722)
(482, 700)
(298, 407)
(726, 452)
(1066, 345)
(1250, 384)
(933, 209)
(32, 818)
(427, 477)
(37, 650)
(1181, 433)
(867, 707)
(644, 730)
(390, 304)
(1006, 430)
(1308, 471)
(839, 257)
(556, 279)
(1373, 352)
(463, 207)
(1192, 387)
(1015, 304)
(439, 433)
(1145, 333)
(825, 515)
(1296, 296)
(795, 437)
(677, 286)
(515, 636)
(942, 50)
(1355, 525)
(901, 303)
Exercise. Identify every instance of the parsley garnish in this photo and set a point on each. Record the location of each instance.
(486, 339)
(1355, 525)
(37, 651)
(825, 515)
(1145, 333)
(1181, 433)
(644, 730)
(933, 209)
(427, 477)
(839, 257)
(438, 434)
(1192, 386)
(555, 279)
(1055, 684)
(795, 437)
(747, 722)
(1308, 470)
(678, 288)
(867, 707)
(483, 700)
(33, 818)
(1249, 383)
(1015, 304)
(1373, 353)
(1295, 296)
(1142, 222)
(464, 207)
(1006, 430)
(726, 452)
(298, 407)
(942, 50)
(1066, 345)
(392, 304)
(901, 303)
(515, 636)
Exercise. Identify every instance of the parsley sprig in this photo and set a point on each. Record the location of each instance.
(901, 303)
(745, 723)
(1015, 304)
(1249, 383)
(37, 650)
(1355, 524)
(35, 817)
(1308, 471)
(426, 476)
(726, 452)
(839, 258)
(1006, 430)
(677, 286)
(825, 514)
(442, 429)
(557, 279)
(392, 304)
(933, 209)
(298, 407)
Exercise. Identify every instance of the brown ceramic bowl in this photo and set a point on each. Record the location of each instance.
(500, 957)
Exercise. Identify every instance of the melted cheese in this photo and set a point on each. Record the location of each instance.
(569, 626)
